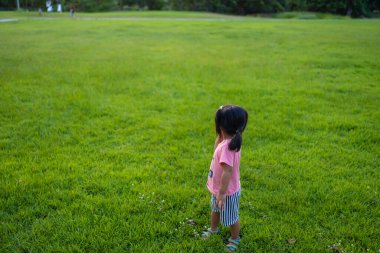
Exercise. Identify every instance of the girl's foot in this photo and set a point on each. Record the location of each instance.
(232, 244)
(209, 232)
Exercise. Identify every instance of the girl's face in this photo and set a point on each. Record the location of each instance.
(217, 122)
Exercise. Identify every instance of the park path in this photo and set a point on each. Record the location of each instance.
(3, 20)
(152, 18)
(127, 18)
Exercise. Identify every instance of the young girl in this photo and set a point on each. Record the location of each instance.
(224, 177)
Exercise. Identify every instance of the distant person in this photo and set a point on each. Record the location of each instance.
(49, 7)
(72, 10)
(59, 6)
(40, 11)
(224, 176)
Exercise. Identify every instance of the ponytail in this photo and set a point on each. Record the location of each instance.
(236, 142)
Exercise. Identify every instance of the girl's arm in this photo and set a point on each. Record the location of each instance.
(226, 176)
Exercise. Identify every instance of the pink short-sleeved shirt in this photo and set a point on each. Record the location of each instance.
(232, 158)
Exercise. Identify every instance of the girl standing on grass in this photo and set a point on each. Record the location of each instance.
(224, 177)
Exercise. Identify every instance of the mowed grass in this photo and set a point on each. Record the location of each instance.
(107, 133)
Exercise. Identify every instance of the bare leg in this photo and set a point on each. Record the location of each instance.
(215, 220)
(235, 229)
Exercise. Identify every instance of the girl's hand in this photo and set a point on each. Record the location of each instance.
(220, 199)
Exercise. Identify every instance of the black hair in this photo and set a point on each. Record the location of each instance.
(233, 120)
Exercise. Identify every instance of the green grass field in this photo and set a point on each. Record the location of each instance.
(107, 132)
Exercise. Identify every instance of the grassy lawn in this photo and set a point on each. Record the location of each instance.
(106, 133)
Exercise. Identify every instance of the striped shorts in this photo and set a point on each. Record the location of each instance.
(229, 215)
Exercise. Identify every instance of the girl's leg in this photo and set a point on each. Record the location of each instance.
(215, 220)
(235, 229)
(234, 240)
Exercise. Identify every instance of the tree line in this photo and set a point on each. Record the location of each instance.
(354, 8)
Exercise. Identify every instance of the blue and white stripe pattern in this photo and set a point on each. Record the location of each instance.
(229, 215)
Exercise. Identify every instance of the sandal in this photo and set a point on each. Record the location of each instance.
(209, 232)
(232, 244)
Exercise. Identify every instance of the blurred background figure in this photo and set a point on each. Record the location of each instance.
(49, 7)
(72, 10)
(59, 6)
